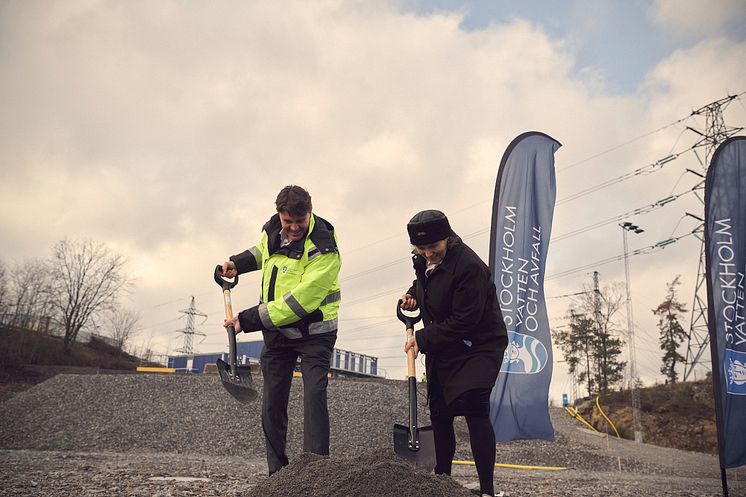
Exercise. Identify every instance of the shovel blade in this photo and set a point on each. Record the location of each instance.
(240, 385)
(422, 457)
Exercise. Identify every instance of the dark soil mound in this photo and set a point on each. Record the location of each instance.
(379, 473)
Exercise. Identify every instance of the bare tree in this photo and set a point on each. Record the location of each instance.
(4, 294)
(124, 325)
(145, 352)
(30, 295)
(87, 279)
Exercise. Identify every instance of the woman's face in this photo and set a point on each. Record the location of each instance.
(433, 252)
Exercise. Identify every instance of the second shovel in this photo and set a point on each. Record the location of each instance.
(412, 443)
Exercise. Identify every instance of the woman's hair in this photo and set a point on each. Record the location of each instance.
(294, 200)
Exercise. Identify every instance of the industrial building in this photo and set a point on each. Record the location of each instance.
(343, 362)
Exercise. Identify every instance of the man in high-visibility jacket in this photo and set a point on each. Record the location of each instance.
(297, 314)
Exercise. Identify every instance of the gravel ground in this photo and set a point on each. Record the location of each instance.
(164, 435)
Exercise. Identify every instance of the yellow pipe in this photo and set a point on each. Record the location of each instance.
(575, 414)
(514, 466)
(144, 369)
(606, 418)
(298, 374)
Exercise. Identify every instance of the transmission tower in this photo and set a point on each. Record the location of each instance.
(189, 331)
(715, 133)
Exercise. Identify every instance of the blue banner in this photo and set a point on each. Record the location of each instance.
(521, 226)
(725, 252)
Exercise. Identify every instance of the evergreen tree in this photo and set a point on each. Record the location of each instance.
(578, 345)
(590, 346)
(671, 331)
(605, 303)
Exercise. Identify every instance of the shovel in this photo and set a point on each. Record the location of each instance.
(411, 443)
(236, 378)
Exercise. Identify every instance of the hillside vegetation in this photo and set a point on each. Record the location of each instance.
(679, 415)
(30, 357)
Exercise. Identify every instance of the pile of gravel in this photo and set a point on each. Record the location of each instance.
(193, 414)
(128, 434)
(188, 414)
(380, 472)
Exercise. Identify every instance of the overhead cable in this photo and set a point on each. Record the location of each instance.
(641, 171)
(647, 250)
(636, 212)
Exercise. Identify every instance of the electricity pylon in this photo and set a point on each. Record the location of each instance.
(189, 331)
(715, 133)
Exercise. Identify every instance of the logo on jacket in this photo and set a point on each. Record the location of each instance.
(524, 355)
(735, 372)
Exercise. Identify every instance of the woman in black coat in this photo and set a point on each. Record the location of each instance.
(464, 339)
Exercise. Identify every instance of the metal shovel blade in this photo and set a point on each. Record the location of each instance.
(422, 457)
(240, 385)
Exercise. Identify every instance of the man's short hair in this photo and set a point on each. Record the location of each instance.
(294, 200)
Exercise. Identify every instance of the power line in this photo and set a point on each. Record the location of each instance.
(376, 268)
(636, 212)
(640, 171)
(648, 169)
(566, 295)
(570, 166)
(647, 250)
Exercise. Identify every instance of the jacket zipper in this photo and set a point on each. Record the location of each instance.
(272, 282)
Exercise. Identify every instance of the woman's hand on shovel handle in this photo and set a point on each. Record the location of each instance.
(233, 322)
(229, 270)
(408, 303)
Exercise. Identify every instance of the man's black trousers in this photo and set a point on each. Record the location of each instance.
(278, 359)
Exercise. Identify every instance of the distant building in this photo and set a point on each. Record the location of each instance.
(343, 362)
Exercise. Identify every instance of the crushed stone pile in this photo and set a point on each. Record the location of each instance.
(188, 414)
(167, 435)
(379, 472)
(193, 414)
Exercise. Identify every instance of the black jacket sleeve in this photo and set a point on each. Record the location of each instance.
(250, 320)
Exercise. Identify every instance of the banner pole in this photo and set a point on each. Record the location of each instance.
(724, 479)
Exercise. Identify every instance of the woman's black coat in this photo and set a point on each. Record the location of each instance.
(464, 337)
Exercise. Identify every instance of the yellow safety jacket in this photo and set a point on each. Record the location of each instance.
(300, 292)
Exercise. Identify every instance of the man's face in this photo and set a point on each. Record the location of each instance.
(295, 226)
(433, 252)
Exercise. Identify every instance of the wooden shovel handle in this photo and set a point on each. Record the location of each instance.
(410, 356)
(227, 301)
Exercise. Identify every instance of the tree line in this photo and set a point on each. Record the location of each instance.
(592, 342)
(78, 287)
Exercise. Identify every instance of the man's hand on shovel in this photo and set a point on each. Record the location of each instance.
(233, 322)
(228, 270)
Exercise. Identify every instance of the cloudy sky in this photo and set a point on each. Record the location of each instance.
(165, 130)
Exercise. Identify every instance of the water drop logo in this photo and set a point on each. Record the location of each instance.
(524, 355)
(735, 372)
